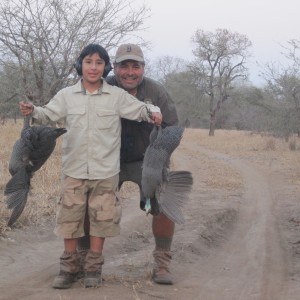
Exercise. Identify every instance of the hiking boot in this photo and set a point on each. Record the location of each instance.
(93, 268)
(161, 273)
(63, 280)
(68, 271)
(82, 252)
(83, 247)
(92, 279)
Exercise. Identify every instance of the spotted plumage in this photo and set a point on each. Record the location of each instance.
(164, 191)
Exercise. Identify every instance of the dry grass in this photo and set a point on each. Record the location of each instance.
(263, 150)
(245, 144)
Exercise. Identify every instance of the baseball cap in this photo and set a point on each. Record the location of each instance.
(129, 51)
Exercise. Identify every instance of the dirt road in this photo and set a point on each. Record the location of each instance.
(238, 243)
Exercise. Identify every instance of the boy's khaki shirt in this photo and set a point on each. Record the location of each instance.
(91, 146)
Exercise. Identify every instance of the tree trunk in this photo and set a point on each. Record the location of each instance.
(212, 124)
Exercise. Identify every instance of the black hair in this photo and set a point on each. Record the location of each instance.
(89, 50)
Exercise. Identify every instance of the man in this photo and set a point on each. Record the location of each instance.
(129, 67)
(92, 111)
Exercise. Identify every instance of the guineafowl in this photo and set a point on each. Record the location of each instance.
(164, 191)
(29, 153)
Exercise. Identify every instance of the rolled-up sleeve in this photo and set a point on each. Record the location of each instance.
(53, 111)
(133, 109)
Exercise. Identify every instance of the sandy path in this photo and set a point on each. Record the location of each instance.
(251, 263)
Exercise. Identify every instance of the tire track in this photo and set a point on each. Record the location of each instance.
(251, 264)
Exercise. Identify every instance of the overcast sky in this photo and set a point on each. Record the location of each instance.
(267, 24)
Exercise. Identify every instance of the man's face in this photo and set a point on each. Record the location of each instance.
(129, 74)
(92, 68)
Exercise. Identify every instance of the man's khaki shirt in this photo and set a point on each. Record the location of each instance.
(91, 146)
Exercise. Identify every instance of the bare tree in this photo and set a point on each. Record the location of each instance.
(292, 52)
(41, 39)
(283, 83)
(220, 60)
(173, 73)
(161, 67)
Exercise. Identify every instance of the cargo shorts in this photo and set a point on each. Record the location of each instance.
(98, 197)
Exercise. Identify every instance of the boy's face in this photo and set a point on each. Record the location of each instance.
(92, 68)
(129, 74)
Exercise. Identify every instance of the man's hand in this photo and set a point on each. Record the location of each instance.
(26, 108)
(156, 118)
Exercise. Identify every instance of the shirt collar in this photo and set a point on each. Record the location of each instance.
(79, 88)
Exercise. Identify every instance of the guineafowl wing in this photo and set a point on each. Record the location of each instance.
(174, 194)
(17, 210)
(16, 192)
(19, 157)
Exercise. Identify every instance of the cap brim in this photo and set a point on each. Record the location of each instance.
(129, 57)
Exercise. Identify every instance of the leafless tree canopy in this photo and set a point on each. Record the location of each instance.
(220, 59)
(41, 39)
(292, 52)
(283, 84)
(165, 66)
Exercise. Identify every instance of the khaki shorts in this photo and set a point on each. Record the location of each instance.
(98, 197)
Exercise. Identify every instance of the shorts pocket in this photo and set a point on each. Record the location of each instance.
(103, 207)
(70, 214)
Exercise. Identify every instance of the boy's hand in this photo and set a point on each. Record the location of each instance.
(26, 108)
(156, 118)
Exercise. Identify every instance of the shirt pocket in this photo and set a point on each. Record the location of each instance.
(76, 117)
(106, 119)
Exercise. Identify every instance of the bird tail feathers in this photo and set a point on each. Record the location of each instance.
(16, 192)
(174, 195)
(60, 131)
